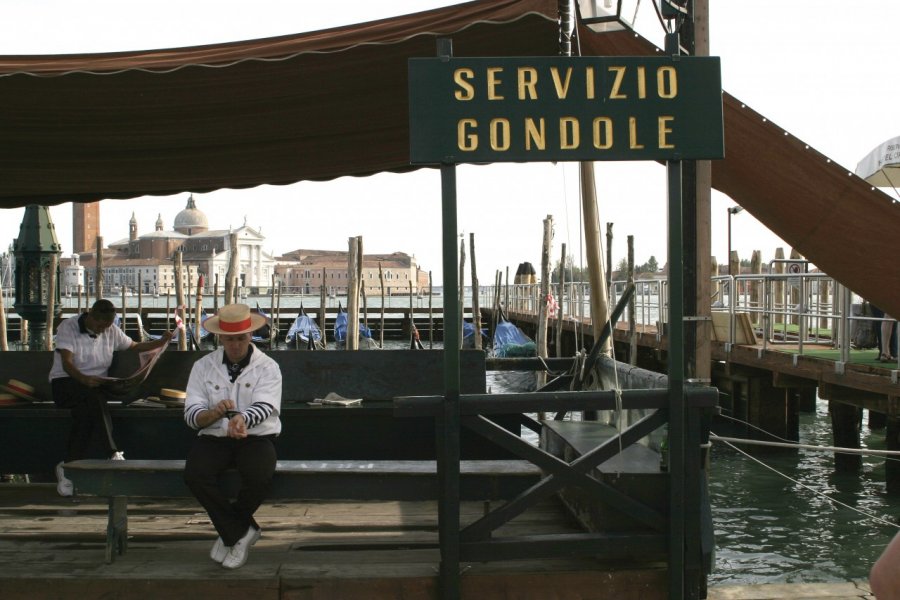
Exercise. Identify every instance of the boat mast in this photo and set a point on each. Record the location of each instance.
(596, 276)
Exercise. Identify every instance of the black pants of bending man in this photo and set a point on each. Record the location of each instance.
(89, 412)
(253, 457)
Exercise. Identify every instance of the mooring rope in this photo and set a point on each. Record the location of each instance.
(866, 514)
(836, 449)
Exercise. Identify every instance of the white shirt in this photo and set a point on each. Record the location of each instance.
(92, 354)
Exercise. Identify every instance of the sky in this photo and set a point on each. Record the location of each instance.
(824, 70)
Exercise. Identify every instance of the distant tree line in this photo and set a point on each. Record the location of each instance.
(574, 273)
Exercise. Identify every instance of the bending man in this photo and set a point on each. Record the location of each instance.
(84, 353)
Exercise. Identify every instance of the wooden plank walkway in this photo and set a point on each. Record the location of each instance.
(54, 547)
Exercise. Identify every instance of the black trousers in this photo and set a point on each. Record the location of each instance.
(253, 457)
(89, 412)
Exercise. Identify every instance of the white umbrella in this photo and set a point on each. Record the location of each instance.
(881, 166)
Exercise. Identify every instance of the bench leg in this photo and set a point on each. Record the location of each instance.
(117, 528)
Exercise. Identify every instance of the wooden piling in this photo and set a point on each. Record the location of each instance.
(561, 293)
(198, 310)
(51, 302)
(609, 258)
(381, 281)
(430, 312)
(124, 309)
(231, 274)
(215, 293)
(845, 425)
(756, 285)
(542, 301)
(273, 325)
(4, 345)
(795, 291)
(322, 301)
(632, 317)
(179, 300)
(352, 339)
(476, 312)
(98, 277)
(462, 289)
(892, 467)
(778, 286)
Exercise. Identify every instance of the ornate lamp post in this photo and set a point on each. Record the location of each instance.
(34, 248)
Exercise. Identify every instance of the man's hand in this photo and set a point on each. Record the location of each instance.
(237, 427)
(90, 381)
(164, 339)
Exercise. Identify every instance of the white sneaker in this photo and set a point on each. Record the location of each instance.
(117, 456)
(64, 485)
(219, 551)
(237, 555)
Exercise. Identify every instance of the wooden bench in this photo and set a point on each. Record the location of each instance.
(296, 480)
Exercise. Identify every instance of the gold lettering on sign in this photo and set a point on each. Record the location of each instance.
(616, 92)
(500, 134)
(569, 135)
(589, 83)
(666, 82)
(603, 133)
(562, 88)
(642, 82)
(527, 78)
(664, 130)
(632, 134)
(467, 92)
(468, 142)
(493, 81)
(535, 134)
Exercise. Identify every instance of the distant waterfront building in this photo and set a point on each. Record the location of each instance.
(204, 251)
(304, 271)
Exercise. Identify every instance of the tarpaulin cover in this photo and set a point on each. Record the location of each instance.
(325, 104)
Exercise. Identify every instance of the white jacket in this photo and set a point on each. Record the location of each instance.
(256, 393)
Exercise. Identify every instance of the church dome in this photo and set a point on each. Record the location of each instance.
(191, 220)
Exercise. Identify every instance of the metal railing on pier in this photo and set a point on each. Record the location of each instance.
(797, 309)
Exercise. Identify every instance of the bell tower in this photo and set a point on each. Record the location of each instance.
(85, 226)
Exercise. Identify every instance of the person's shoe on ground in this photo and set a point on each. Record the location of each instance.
(219, 551)
(237, 555)
(117, 456)
(64, 485)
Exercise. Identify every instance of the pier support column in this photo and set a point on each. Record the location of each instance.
(846, 420)
(877, 420)
(806, 399)
(892, 467)
(773, 409)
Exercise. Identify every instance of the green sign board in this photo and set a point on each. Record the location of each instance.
(564, 109)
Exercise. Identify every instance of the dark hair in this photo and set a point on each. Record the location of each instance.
(103, 310)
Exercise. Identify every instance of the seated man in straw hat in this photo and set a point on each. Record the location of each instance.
(84, 353)
(233, 399)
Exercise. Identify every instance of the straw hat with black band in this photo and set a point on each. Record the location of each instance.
(20, 389)
(234, 319)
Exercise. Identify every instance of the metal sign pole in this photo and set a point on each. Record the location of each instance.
(676, 371)
(448, 425)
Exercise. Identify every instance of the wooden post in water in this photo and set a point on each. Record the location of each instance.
(756, 285)
(542, 305)
(381, 282)
(124, 309)
(506, 290)
(273, 326)
(51, 302)
(322, 300)
(198, 310)
(734, 267)
(778, 287)
(215, 293)
(179, 301)
(462, 292)
(476, 309)
(599, 303)
(609, 259)
(430, 313)
(168, 312)
(562, 294)
(231, 274)
(632, 317)
(140, 305)
(4, 345)
(98, 277)
(352, 340)
(795, 291)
